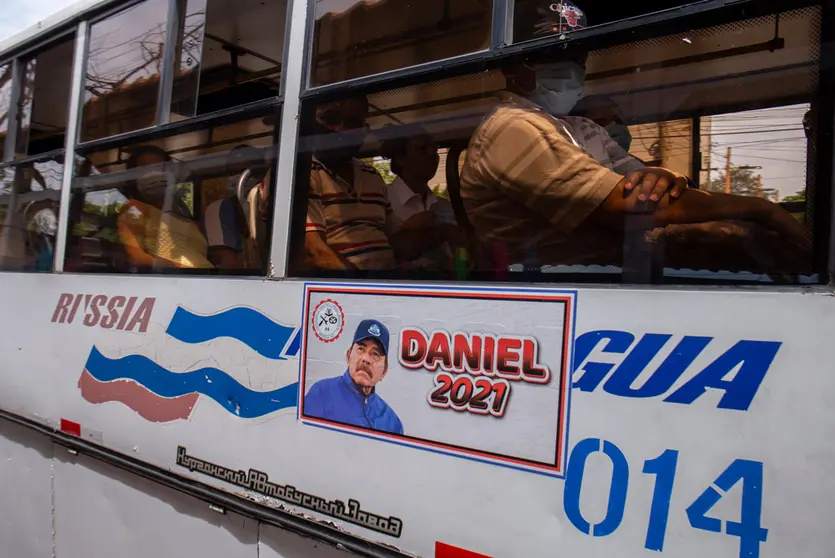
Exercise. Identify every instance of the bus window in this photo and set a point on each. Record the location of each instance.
(124, 62)
(229, 54)
(29, 197)
(349, 40)
(44, 101)
(5, 103)
(765, 152)
(553, 189)
(194, 201)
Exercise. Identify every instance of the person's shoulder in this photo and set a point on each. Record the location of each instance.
(518, 117)
(396, 423)
(387, 410)
(368, 174)
(133, 210)
(368, 181)
(398, 193)
(580, 121)
(326, 384)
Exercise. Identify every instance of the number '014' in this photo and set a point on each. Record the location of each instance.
(750, 473)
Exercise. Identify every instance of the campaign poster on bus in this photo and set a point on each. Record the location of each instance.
(478, 373)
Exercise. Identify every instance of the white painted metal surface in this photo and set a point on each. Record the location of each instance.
(59, 505)
(102, 511)
(763, 412)
(25, 492)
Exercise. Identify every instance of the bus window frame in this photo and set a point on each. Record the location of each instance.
(74, 147)
(636, 28)
(295, 89)
(167, 75)
(707, 13)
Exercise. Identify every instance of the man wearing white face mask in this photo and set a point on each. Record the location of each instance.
(557, 88)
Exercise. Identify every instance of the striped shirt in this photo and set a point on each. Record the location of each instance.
(528, 187)
(352, 217)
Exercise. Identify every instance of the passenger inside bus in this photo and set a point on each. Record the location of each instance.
(603, 111)
(347, 213)
(153, 225)
(427, 223)
(531, 184)
(231, 227)
(28, 228)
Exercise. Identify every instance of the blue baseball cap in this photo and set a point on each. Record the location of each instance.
(373, 329)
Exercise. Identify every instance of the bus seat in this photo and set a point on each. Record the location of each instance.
(453, 180)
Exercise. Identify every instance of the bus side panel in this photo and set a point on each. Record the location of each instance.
(698, 420)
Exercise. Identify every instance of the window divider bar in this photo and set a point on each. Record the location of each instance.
(502, 10)
(216, 118)
(10, 146)
(169, 58)
(37, 158)
(82, 38)
(284, 180)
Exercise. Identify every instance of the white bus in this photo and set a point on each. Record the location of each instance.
(301, 278)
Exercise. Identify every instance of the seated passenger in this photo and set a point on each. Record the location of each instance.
(529, 186)
(151, 225)
(347, 207)
(229, 225)
(604, 112)
(42, 218)
(425, 221)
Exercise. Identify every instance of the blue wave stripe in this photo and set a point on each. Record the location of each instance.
(211, 382)
(248, 326)
(295, 344)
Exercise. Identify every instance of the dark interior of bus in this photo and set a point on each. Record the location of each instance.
(674, 73)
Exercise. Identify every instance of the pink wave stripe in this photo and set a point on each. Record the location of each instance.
(148, 405)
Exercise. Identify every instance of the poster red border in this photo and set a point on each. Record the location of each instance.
(568, 297)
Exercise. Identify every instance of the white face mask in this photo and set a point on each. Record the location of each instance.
(153, 186)
(558, 87)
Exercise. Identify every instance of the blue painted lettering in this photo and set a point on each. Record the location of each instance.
(753, 359)
(616, 342)
(750, 359)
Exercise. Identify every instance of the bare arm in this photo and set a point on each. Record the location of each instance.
(696, 206)
(323, 256)
(224, 257)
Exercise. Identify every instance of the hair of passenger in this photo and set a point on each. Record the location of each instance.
(396, 140)
(248, 153)
(130, 189)
(140, 150)
(587, 103)
(332, 111)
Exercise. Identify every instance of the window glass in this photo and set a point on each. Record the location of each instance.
(350, 39)
(229, 53)
(124, 61)
(546, 145)
(5, 103)
(194, 201)
(44, 101)
(29, 198)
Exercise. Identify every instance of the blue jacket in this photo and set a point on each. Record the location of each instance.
(340, 400)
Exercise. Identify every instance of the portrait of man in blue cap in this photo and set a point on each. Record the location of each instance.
(352, 398)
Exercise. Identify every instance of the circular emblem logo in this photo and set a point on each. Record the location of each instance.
(328, 320)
